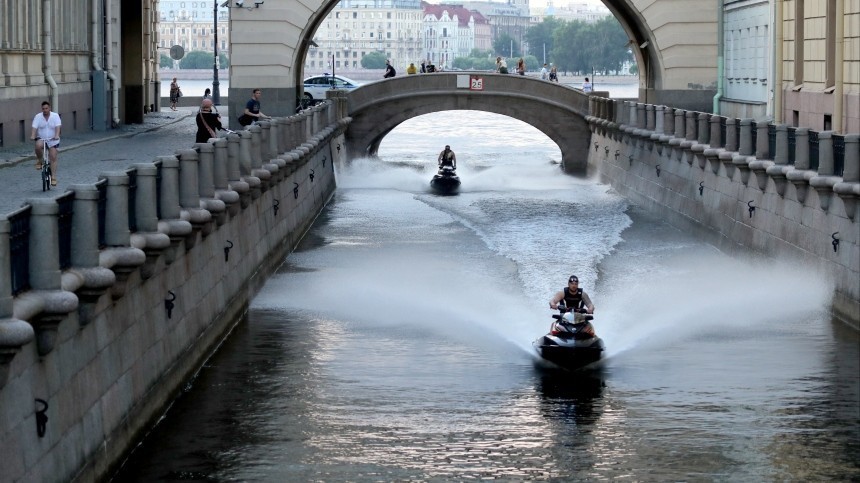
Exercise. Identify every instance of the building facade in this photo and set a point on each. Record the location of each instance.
(95, 61)
(192, 25)
(451, 31)
(511, 18)
(583, 12)
(355, 28)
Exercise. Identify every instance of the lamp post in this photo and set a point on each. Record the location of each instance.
(216, 91)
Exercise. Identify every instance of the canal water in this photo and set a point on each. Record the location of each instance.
(395, 343)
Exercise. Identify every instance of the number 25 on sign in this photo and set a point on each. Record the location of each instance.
(476, 83)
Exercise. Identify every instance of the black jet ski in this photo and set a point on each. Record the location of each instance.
(571, 342)
(446, 181)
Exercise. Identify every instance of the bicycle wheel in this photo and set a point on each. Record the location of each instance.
(46, 180)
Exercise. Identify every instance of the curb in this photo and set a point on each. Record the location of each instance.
(8, 163)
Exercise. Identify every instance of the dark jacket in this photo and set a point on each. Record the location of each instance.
(213, 119)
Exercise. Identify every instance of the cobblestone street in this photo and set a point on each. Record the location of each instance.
(83, 156)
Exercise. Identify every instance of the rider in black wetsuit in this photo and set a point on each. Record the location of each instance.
(447, 158)
(573, 297)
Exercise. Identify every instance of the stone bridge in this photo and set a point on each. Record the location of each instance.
(556, 110)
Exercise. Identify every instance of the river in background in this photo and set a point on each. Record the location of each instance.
(395, 343)
(623, 87)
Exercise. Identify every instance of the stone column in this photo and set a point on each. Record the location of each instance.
(731, 135)
(14, 333)
(825, 181)
(781, 154)
(690, 125)
(265, 134)
(801, 174)
(46, 305)
(668, 121)
(649, 117)
(189, 196)
(92, 280)
(206, 183)
(148, 238)
(640, 116)
(849, 188)
(703, 128)
(761, 141)
(680, 123)
(245, 152)
(220, 182)
(745, 146)
(234, 170)
(780, 169)
(716, 132)
(120, 257)
(256, 146)
(171, 224)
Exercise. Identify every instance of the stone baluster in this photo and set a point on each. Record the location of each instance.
(761, 142)
(206, 183)
(801, 174)
(256, 131)
(744, 157)
(234, 170)
(849, 188)
(86, 278)
(14, 333)
(712, 153)
(780, 168)
(46, 305)
(689, 136)
(283, 124)
(649, 117)
(178, 230)
(265, 142)
(246, 165)
(189, 196)
(147, 237)
(220, 176)
(274, 138)
(290, 141)
(727, 155)
(119, 256)
(659, 121)
(679, 125)
(824, 182)
(698, 148)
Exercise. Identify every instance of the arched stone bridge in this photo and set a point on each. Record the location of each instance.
(557, 111)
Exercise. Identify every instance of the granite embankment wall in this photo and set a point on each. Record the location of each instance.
(781, 191)
(118, 290)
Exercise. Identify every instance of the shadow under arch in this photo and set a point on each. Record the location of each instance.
(557, 111)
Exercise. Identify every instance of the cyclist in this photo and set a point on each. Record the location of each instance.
(46, 126)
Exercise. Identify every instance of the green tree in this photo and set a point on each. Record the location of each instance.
(374, 60)
(223, 60)
(634, 69)
(165, 62)
(502, 46)
(540, 36)
(197, 59)
(583, 48)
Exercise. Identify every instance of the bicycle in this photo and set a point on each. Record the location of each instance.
(46, 165)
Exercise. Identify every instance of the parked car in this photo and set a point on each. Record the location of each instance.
(316, 86)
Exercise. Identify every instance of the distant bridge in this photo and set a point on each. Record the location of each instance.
(556, 110)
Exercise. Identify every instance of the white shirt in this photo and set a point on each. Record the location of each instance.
(586, 87)
(47, 128)
(543, 73)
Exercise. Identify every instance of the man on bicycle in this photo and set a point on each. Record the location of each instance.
(46, 126)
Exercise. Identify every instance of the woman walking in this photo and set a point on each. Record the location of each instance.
(174, 94)
(521, 67)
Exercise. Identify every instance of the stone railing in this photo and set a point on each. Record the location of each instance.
(63, 254)
(776, 189)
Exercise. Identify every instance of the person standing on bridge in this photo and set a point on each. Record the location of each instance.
(252, 109)
(543, 72)
(553, 73)
(521, 67)
(411, 69)
(586, 86)
(447, 158)
(501, 66)
(389, 70)
(573, 297)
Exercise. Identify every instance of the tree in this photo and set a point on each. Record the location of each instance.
(197, 59)
(165, 62)
(502, 45)
(374, 60)
(540, 36)
(223, 60)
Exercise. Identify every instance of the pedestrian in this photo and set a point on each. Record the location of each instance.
(411, 69)
(521, 67)
(389, 70)
(586, 86)
(423, 67)
(207, 94)
(46, 128)
(175, 94)
(543, 72)
(501, 66)
(252, 109)
(208, 122)
(553, 73)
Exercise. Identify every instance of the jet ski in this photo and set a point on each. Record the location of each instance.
(445, 181)
(571, 342)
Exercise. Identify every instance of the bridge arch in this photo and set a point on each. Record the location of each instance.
(555, 110)
(673, 42)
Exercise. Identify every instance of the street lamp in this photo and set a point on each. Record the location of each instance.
(216, 91)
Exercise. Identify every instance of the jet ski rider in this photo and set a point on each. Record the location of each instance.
(573, 297)
(447, 158)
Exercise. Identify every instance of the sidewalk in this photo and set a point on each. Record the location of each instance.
(84, 156)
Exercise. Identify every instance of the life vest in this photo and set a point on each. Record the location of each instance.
(573, 300)
(447, 158)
